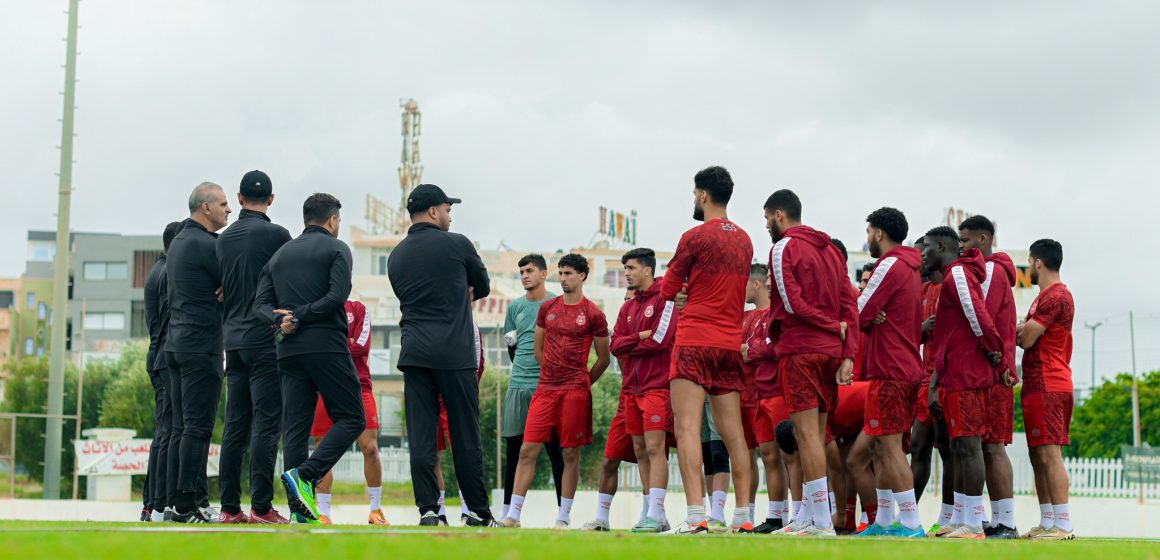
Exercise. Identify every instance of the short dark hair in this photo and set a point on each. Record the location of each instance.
(944, 232)
(978, 223)
(716, 181)
(891, 221)
(786, 439)
(318, 208)
(168, 234)
(1050, 252)
(575, 262)
(841, 247)
(786, 201)
(758, 270)
(868, 267)
(534, 259)
(646, 258)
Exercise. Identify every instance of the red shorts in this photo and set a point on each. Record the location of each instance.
(651, 411)
(1000, 414)
(716, 369)
(1047, 418)
(563, 413)
(619, 444)
(889, 407)
(965, 412)
(749, 425)
(921, 400)
(808, 381)
(443, 441)
(323, 423)
(770, 413)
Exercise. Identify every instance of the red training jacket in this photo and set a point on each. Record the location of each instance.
(750, 323)
(811, 295)
(895, 288)
(645, 363)
(762, 357)
(358, 338)
(997, 292)
(964, 332)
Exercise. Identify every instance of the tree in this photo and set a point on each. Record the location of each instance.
(1104, 422)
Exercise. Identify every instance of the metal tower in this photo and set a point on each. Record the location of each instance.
(411, 168)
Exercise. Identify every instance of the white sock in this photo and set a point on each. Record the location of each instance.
(644, 505)
(777, 510)
(443, 503)
(959, 516)
(516, 509)
(695, 515)
(565, 514)
(656, 504)
(991, 521)
(718, 511)
(802, 514)
(740, 516)
(506, 507)
(946, 513)
(1006, 514)
(986, 517)
(705, 503)
(376, 496)
(752, 511)
(864, 519)
(603, 506)
(907, 509)
(976, 511)
(833, 504)
(885, 508)
(1046, 516)
(818, 494)
(463, 504)
(1062, 517)
(323, 501)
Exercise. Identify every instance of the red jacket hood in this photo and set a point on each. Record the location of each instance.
(655, 289)
(906, 255)
(1004, 260)
(819, 239)
(973, 263)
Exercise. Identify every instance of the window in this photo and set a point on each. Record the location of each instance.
(104, 321)
(42, 311)
(615, 279)
(142, 264)
(7, 299)
(138, 326)
(31, 302)
(379, 262)
(106, 271)
(41, 251)
(28, 347)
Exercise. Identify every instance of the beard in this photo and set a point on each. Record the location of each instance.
(775, 233)
(698, 213)
(875, 249)
(1034, 277)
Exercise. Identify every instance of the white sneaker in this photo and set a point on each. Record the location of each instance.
(812, 530)
(510, 523)
(596, 525)
(561, 525)
(157, 516)
(792, 529)
(686, 529)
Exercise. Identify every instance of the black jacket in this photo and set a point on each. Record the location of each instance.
(191, 270)
(430, 272)
(156, 314)
(309, 275)
(242, 250)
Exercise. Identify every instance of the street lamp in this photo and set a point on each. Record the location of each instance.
(1093, 329)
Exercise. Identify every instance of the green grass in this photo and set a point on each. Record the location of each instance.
(110, 540)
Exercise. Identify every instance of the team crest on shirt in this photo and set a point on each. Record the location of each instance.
(728, 227)
(873, 423)
(648, 311)
(580, 320)
(551, 316)
(350, 317)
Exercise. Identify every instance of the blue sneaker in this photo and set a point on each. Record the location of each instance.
(874, 530)
(902, 531)
(300, 495)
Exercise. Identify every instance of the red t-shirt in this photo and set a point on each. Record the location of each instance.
(1047, 364)
(848, 419)
(568, 334)
(713, 260)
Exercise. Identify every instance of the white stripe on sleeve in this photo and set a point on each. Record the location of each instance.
(876, 279)
(987, 282)
(663, 327)
(778, 272)
(964, 293)
(365, 334)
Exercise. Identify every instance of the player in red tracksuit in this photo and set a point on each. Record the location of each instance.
(968, 359)
(813, 305)
(708, 272)
(359, 340)
(977, 232)
(890, 317)
(757, 294)
(642, 340)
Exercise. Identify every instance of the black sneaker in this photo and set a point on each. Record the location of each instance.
(429, 519)
(146, 516)
(463, 519)
(770, 525)
(194, 517)
(443, 521)
(1001, 532)
(473, 520)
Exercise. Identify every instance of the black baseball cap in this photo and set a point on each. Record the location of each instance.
(256, 185)
(425, 196)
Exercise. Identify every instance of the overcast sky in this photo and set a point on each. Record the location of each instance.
(1045, 116)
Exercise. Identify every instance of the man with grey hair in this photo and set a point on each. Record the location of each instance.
(194, 347)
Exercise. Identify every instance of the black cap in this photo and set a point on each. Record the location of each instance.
(256, 185)
(425, 196)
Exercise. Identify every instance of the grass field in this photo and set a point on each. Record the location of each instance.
(35, 540)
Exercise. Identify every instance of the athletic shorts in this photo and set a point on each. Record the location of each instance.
(515, 411)
(1047, 418)
(323, 423)
(560, 413)
(770, 413)
(717, 370)
(749, 426)
(965, 412)
(619, 444)
(651, 411)
(1000, 414)
(808, 381)
(921, 400)
(889, 407)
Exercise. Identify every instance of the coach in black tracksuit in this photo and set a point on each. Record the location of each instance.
(156, 496)
(194, 343)
(254, 391)
(308, 279)
(431, 271)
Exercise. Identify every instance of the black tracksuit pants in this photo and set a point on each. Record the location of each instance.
(254, 422)
(200, 380)
(460, 390)
(156, 493)
(304, 378)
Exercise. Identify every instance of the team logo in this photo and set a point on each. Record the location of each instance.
(580, 320)
(656, 419)
(1035, 432)
(728, 227)
(873, 423)
(350, 317)
(648, 311)
(551, 316)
